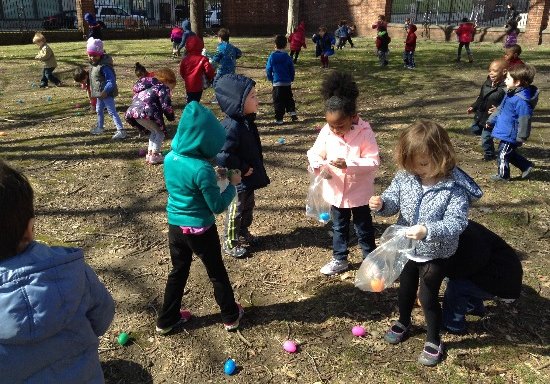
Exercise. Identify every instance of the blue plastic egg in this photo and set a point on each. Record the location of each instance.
(324, 216)
(229, 367)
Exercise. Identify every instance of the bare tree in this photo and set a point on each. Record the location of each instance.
(293, 11)
(196, 8)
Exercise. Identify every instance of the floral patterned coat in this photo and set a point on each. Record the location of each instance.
(151, 100)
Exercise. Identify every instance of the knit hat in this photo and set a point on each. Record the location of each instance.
(94, 47)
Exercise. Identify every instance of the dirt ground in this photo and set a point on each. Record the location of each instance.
(100, 195)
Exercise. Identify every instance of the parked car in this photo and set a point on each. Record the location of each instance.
(65, 19)
(116, 17)
(212, 18)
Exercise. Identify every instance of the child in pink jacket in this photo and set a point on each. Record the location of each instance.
(347, 154)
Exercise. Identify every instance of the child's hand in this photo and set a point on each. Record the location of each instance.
(376, 203)
(339, 163)
(234, 176)
(492, 109)
(249, 172)
(221, 172)
(470, 110)
(416, 232)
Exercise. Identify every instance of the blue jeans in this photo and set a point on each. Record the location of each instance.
(362, 222)
(462, 297)
(109, 103)
(47, 74)
(507, 154)
(408, 58)
(487, 143)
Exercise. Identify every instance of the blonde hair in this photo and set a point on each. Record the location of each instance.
(166, 76)
(38, 37)
(426, 137)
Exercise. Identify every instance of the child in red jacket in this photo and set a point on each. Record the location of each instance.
(465, 34)
(195, 69)
(410, 46)
(297, 40)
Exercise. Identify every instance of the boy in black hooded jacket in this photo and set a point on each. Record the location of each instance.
(236, 96)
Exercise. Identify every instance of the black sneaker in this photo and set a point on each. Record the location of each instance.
(489, 157)
(294, 117)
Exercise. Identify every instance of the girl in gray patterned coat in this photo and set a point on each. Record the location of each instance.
(432, 197)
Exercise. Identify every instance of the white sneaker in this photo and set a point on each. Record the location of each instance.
(96, 130)
(119, 135)
(156, 158)
(335, 266)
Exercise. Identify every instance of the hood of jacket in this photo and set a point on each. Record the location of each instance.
(231, 93)
(464, 181)
(412, 28)
(529, 94)
(199, 133)
(194, 45)
(186, 25)
(90, 19)
(34, 284)
(301, 27)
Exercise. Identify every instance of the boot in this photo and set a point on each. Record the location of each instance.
(470, 58)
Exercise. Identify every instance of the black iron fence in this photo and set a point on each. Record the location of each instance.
(487, 13)
(115, 14)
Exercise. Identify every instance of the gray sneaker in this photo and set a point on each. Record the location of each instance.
(96, 130)
(235, 251)
(119, 135)
(526, 173)
(335, 266)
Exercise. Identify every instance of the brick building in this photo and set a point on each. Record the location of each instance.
(260, 17)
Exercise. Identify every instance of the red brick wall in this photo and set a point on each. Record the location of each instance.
(260, 17)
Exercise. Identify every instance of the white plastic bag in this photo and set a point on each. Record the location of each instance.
(316, 206)
(384, 265)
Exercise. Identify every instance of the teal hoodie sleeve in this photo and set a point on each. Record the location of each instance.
(206, 182)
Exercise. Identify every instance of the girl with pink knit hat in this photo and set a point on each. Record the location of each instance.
(103, 86)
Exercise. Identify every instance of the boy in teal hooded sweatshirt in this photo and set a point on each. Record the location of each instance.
(193, 199)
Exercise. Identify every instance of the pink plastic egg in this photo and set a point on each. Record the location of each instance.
(358, 331)
(289, 346)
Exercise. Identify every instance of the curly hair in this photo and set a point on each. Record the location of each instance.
(166, 76)
(340, 93)
(140, 70)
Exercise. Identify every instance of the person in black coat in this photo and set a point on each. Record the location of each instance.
(484, 267)
(491, 94)
(236, 96)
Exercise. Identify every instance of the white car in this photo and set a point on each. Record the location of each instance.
(116, 17)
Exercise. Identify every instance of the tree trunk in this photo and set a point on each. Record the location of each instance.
(196, 8)
(293, 11)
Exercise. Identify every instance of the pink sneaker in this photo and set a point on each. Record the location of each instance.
(234, 325)
(156, 158)
(185, 315)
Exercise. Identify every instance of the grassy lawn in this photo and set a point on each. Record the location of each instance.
(99, 194)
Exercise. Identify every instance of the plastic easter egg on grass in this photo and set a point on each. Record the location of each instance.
(77, 105)
(281, 140)
(358, 331)
(123, 338)
(229, 367)
(142, 152)
(377, 285)
(324, 217)
(290, 346)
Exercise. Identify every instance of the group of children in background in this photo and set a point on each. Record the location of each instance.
(430, 193)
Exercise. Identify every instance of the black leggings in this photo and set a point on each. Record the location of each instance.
(294, 54)
(430, 275)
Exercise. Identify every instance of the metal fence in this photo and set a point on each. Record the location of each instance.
(115, 14)
(490, 13)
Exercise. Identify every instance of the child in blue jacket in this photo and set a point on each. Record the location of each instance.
(280, 71)
(226, 56)
(53, 307)
(324, 45)
(512, 121)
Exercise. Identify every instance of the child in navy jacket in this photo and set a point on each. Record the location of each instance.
(324, 45)
(512, 121)
(280, 71)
